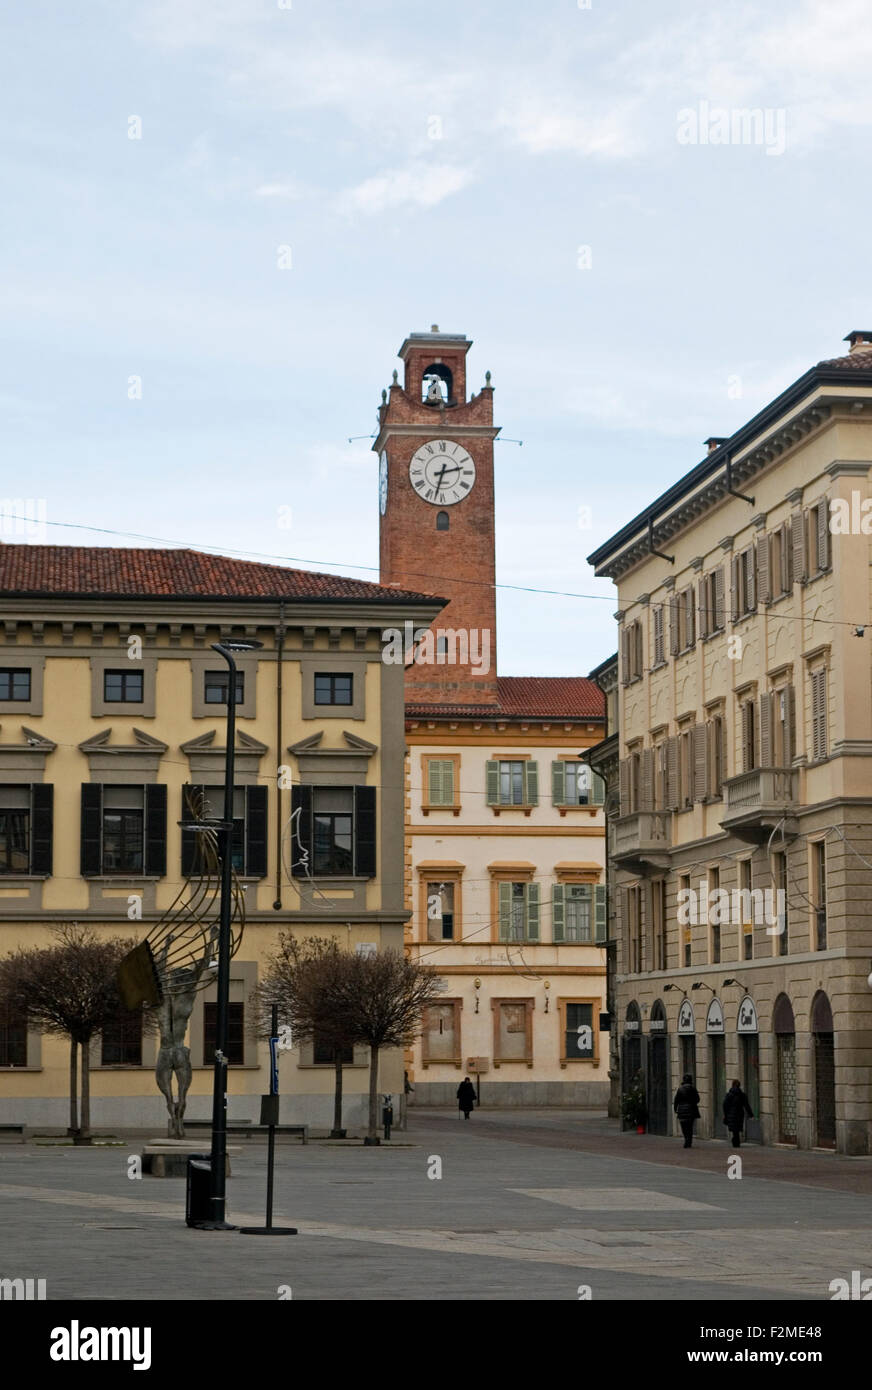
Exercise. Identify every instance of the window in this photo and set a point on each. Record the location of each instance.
(632, 646)
(512, 783)
(13, 1038)
(518, 911)
(684, 889)
(657, 621)
(440, 911)
(685, 767)
(121, 1040)
(819, 893)
(634, 928)
(14, 683)
(443, 521)
(748, 713)
(780, 562)
(123, 830)
(661, 788)
(747, 915)
(682, 631)
(782, 934)
(716, 751)
(818, 521)
(819, 714)
(123, 687)
(513, 1030)
(235, 1034)
(578, 913)
(782, 726)
(658, 922)
(743, 588)
(248, 846)
(439, 781)
(711, 603)
(576, 784)
(324, 1052)
(216, 686)
(14, 830)
(578, 1038)
(333, 689)
(714, 883)
(334, 831)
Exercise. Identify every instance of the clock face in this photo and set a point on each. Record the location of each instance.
(442, 472)
(383, 482)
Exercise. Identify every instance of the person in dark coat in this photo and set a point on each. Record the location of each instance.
(465, 1097)
(736, 1107)
(686, 1107)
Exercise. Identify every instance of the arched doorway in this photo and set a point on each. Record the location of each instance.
(687, 1036)
(749, 1059)
(784, 1028)
(824, 1072)
(631, 1047)
(658, 1071)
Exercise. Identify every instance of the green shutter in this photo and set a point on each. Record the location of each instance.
(447, 782)
(558, 909)
(492, 770)
(505, 911)
(532, 897)
(440, 774)
(601, 926)
(558, 784)
(531, 784)
(599, 790)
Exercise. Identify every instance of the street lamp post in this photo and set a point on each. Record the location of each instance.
(218, 1160)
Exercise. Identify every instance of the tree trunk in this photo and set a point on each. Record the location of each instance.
(84, 1135)
(74, 1088)
(337, 1132)
(373, 1095)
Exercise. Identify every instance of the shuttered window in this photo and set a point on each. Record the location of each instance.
(26, 828)
(578, 913)
(715, 752)
(512, 782)
(576, 784)
(440, 782)
(743, 585)
(518, 911)
(657, 621)
(123, 830)
(249, 846)
(798, 548)
(632, 653)
(711, 602)
(818, 527)
(748, 715)
(819, 713)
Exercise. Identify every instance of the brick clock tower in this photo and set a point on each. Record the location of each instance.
(436, 500)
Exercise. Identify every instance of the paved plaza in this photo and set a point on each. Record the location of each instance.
(529, 1205)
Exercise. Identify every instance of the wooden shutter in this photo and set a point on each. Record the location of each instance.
(646, 780)
(190, 838)
(505, 900)
(492, 779)
(558, 912)
(797, 545)
(751, 578)
(672, 787)
(674, 637)
(734, 588)
(747, 736)
(699, 762)
(598, 789)
(532, 904)
(766, 729)
(786, 559)
(558, 783)
(364, 832)
(789, 725)
(531, 784)
(155, 829)
(690, 617)
(624, 779)
(255, 831)
(41, 827)
(719, 597)
(823, 534)
(657, 618)
(302, 848)
(434, 781)
(625, 656)
(600, 920)
(704, 620)
(819, 714)
(764, 588)
(92, 829)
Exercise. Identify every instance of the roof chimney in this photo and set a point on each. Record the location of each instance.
(860, 340)
(714, 442)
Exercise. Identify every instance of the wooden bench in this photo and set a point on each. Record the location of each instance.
(170, 1159)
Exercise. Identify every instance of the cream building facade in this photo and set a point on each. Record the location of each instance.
(741, 851)
(111, 704)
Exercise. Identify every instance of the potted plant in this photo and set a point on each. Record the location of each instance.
(633, 1107)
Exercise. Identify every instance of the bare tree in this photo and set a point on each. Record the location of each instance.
(306, 981)
(67, 989)
(383, 997)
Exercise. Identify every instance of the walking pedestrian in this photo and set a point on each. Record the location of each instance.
(736, 1107)
(686, 1107)
(465, 1097)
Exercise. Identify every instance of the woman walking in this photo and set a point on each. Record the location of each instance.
(686, 1107)
(465, 1097)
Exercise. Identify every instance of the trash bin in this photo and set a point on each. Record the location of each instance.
(198, 1189)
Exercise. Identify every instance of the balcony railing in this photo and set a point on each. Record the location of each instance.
(758, 799)
(642, 834)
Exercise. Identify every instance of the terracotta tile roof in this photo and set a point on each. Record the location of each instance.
(856, 361)
(70, 570)
(530, 697)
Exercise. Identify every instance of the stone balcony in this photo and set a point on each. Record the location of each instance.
(643, 838)
(756, 802)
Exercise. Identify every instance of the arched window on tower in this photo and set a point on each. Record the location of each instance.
(436, 385)
(443, 521)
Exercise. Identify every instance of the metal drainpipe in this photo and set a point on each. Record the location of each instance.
(280, 644)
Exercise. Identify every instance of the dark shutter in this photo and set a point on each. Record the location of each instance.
(155, 829)
(92, 825)
(364, 831)
(189, 837)
(41, 825)
(301, 831)
(255, 832)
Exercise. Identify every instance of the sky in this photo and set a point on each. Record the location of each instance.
(221, 218)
